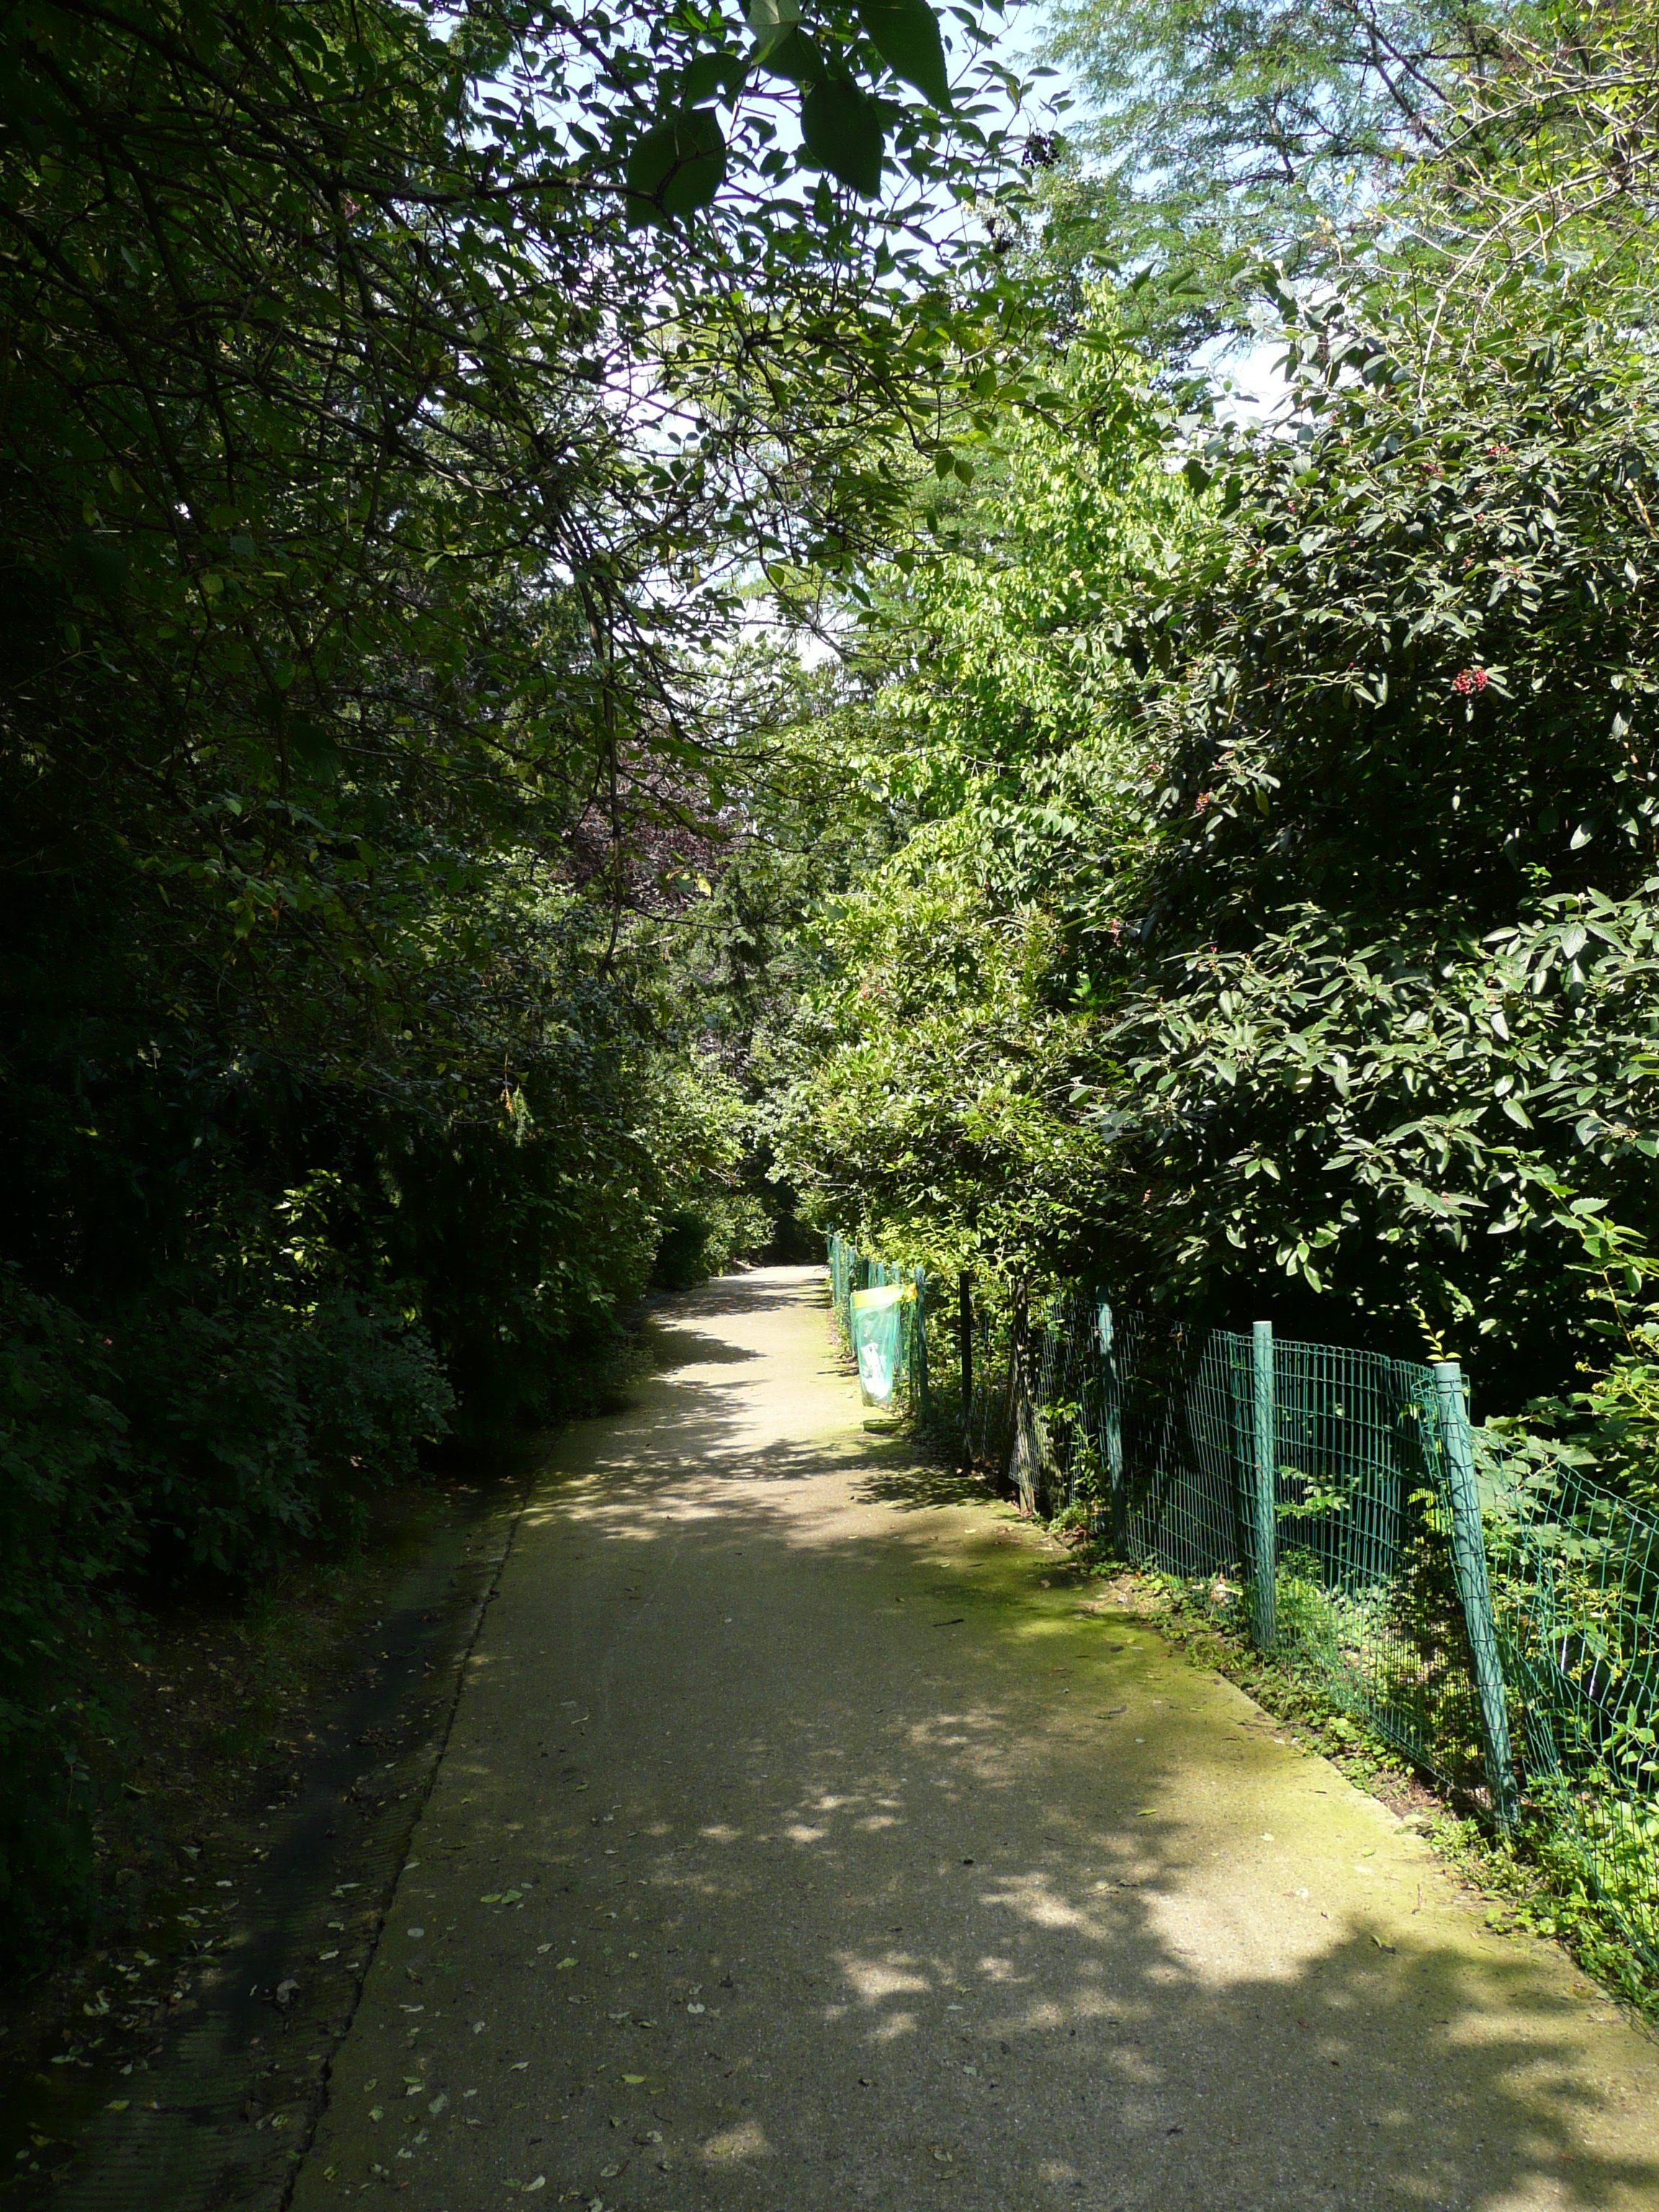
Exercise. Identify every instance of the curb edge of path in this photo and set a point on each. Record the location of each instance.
(512, 1516)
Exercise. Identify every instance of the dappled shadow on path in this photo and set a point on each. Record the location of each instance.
(917, 1489)
(762, 1292)
(690, 1348)
(884, 1888)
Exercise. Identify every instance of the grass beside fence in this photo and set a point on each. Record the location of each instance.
(1476, 1599)
(1534, 1881)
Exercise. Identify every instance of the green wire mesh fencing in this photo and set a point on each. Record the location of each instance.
(1478, 1598)
(1575, 1585)
(990, 1404)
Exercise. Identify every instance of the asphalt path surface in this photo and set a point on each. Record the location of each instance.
(803, 1839)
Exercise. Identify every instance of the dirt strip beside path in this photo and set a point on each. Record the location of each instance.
(796, 1846)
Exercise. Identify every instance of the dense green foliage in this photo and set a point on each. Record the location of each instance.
(1278, 940)
(1399, 907)
(1215, 127)
(1315, 786)
(398, 404)
(580, 678)
(941, 1052)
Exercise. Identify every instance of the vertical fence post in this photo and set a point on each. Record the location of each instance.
(1111, 1426)
(923, 1402)
(1469, 1565)
(1264, 1457)
(1010, 1439)
(965, 1352)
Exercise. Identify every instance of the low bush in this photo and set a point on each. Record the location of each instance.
(709, 1236)
(176, 1440)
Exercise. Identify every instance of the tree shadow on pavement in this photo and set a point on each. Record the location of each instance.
(912, 1489)
(763, 1291)
(854, 1911)
(671, 1349)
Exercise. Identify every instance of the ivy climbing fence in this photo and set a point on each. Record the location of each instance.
(1475, 1595)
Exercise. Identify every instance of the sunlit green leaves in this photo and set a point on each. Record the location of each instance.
(1346, 797)
(1220, 129)
(933, 1103)
(994, 700)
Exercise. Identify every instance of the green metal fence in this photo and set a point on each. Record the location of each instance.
(1478, 1598)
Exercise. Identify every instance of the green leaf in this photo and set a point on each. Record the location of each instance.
(841, 126)
(905, 34)
(792, 54)
(770, 18)
(713, 76)
(677, 167)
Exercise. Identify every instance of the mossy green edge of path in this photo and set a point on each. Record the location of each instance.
(794, 1846)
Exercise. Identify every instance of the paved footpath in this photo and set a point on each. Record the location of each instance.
(801, 1844)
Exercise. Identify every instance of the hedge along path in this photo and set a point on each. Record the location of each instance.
(801, 1843)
